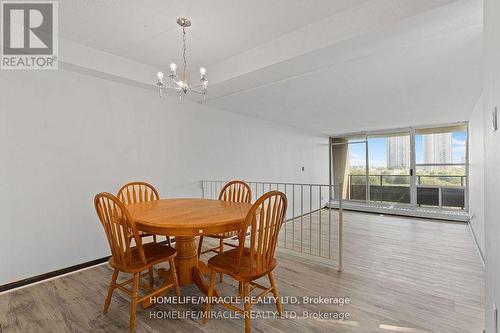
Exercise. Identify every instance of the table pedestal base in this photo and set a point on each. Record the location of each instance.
(189, 269)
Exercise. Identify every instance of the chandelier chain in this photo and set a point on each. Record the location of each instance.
(184, 53)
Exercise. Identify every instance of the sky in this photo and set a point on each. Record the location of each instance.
(378, 150)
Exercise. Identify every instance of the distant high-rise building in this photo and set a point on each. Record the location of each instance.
(398, 152)
(438, 148)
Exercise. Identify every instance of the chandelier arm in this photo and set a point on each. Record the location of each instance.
(197, 86)
(177, 85)
(197, 92)
(168, 88)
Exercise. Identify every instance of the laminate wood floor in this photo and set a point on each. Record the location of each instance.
(401, 275)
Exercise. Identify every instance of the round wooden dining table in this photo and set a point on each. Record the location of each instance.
(186, 219)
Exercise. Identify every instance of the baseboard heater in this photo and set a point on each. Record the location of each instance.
(437, 214)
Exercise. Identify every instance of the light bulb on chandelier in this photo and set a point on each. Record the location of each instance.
(173, 67)
(159, 75)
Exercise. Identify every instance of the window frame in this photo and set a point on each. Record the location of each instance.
(363, 137)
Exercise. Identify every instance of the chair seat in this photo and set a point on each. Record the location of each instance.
(154, 253)
(226, 263)
(224, 235)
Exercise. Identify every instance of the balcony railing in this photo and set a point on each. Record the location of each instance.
(442, 191)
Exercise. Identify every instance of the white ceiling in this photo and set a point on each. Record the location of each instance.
(146, 30)
(329, 66)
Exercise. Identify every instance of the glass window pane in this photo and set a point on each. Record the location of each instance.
(453, 197)
(357, 171)
(390, 154)
(441, 175)
(441, 145)
(376, 166)
(389, 163)
(450, 197)
(428, 196)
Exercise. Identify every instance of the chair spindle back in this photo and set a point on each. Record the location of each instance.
(236, 191)
(137, 192)
(119, 228)
(261, 229)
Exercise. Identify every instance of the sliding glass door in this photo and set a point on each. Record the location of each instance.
(424, 167)
(389, 168)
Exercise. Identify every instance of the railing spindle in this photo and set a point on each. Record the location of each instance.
(330, 224)
(341, 233)
(301, 216)
(293, 217)
(320, 210)
(310, 218)
(286, 227)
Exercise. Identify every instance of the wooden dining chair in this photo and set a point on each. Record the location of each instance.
(234, 191)
(136, 192)
(254, 257)
(119, 227)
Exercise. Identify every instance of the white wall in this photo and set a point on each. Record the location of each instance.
(492, 158)
(65, 136)
(476, 172)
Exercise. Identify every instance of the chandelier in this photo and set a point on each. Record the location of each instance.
(181, 87)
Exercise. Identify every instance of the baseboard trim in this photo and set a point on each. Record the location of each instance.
(49, 275)
(56, 273)
(481, 255)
